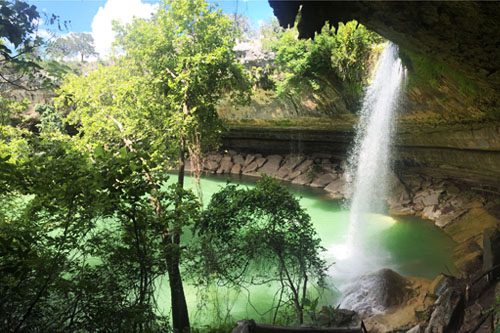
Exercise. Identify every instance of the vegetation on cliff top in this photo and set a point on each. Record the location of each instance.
(321, 77)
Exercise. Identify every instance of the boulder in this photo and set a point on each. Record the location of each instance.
(337, 189)
(400, 210)
(217, 157)
(329, 167)
(282, 173)
(225, 165)
(236, 169)
(292, 161)
(398, 194)
(289, 164)
(271, 166)
(329, 316)
(404, 317)
(294, 174)
(211, 165)
(415, 329)
(303, 179)
(440, 284)
(427, 197)
(304, 166)
(323, 180)
(441, 317)
(260, 161)
(431, 213)
(443, 219)
(238, 159)
(376, 292)
(249, 159)
(250, 168)
(450, 208)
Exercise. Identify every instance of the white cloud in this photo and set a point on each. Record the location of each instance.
(116, 10)
(45, 34)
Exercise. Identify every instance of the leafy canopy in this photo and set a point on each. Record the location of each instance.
(333, 58)
(262, 229)
(72, 45)
(174, 69)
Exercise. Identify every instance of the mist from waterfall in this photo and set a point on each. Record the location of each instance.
(370, 159)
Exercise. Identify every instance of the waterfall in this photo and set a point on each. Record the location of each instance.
(369, 161)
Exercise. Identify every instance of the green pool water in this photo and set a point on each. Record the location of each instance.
(408, 245)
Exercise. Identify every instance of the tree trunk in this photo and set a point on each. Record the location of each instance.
(180, 317)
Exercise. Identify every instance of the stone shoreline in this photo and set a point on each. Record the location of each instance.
(460, 212)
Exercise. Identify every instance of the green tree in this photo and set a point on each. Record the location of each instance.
(335, 58)
(20, 66)
(18, 22)
(50, 119)
(72, 45)
(264, 229)
(160, 98)
(52, 203)
(10, 108)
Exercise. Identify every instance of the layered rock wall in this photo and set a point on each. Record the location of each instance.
(464, 153)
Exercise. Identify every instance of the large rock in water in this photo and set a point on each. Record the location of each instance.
(376, 292)
(270, 168)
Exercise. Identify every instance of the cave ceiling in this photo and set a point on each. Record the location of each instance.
(464, 35)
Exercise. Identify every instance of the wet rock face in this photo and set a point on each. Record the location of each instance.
(377, 292)
(462, 34)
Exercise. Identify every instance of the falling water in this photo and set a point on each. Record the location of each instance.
(370, 159)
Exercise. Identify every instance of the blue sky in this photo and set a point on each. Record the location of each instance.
(96, 16)
(82, 12)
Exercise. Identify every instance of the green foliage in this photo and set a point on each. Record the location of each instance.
(18, 21)
(158, 100)
(88, 224)
(10, 108)
(339, 58)
(72, 45)
(81, 244)
(261, 77)
(50, 119)
(175, 69)
(19, 41)
(13, 144)
(265, 229)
